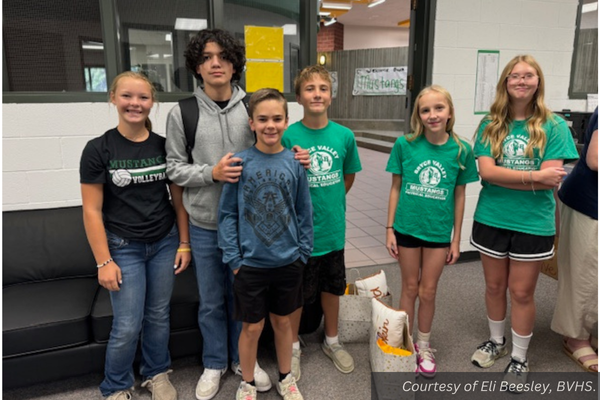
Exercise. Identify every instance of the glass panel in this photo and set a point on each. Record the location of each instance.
(154, 35)
(268, 13)
(45, 44)
(585, 75)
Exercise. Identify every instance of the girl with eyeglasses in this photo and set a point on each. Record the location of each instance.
(520, 147)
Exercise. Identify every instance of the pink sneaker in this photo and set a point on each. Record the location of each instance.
(425, 361)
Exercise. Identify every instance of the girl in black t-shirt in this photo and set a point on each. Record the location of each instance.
(139, 239)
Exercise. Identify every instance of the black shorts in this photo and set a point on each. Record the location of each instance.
(326, 273)
(413, 242)
(260, 291)
(501, 243)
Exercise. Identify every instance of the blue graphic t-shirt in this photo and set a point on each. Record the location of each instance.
(265, 219)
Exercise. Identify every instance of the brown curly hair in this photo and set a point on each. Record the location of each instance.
(233, 51)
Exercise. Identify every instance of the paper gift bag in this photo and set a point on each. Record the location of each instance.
(383, 356)
(354, 320)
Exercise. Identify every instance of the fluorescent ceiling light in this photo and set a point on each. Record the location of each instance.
(190, 24)
(336, 6)
(290, 29)
(92, 46)
(168, 37)
(324, 13)
(330, 22)
(375, 3)
(589, 7)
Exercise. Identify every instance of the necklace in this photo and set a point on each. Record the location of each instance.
(137, 138)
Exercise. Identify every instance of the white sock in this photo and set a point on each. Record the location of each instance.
(296, 345)
(423, 339)
(331, 340)
(496, 330)
(520, 344)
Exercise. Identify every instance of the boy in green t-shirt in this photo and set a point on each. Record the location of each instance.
(334, 162)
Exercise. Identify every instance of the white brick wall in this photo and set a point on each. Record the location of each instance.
(542, 28)
(42, 145)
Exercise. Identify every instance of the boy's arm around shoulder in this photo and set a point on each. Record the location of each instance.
(228, 229)
(179, 170)
(305, 218)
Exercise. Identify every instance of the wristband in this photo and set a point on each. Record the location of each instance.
(184, 250)
(105, 263)
(389, 227)
(183, 242)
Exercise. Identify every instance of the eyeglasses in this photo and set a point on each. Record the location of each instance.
(513, 78)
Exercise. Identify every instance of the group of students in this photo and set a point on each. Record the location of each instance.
(261, 208)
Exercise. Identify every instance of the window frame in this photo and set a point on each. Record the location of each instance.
(114, 62)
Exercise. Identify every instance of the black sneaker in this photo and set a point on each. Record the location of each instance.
(515, 375)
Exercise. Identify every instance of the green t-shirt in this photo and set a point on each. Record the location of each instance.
(523, 210)
(430, 173)
(333, 154)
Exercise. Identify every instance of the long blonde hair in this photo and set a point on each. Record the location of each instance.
(500, 115)
(134, 75)
(416, 124)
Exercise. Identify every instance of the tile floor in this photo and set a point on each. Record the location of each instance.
(366, 212)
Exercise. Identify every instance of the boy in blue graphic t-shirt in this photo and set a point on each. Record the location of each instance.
(266, 233)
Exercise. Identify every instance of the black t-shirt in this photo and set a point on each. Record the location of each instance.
(136, 199)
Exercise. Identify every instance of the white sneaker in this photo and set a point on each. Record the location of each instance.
(261, 378)
(288, 389)
(296, 372)
(208, 384)
(245, 392)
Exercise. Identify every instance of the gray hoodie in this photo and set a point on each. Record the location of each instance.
(218, 133)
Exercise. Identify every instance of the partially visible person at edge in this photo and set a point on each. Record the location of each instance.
(217, 60)
(423, 231)
(520, 147)
(576, 311)
(334, 164)
(139, 238)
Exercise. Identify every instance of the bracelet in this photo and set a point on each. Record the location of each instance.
(531, 179)
(182, 242)
(105, 263)
(184, 250)
(389, 227)
(522, 178)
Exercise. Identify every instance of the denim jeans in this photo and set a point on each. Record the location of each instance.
(220, 332)
(141, 306)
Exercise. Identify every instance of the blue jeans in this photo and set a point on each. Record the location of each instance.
(215, 315)
(141, 306)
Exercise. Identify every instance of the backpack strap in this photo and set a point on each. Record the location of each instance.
(190, 114)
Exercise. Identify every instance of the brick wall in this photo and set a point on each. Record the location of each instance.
(330, 38)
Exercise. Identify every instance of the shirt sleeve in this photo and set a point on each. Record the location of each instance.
(560, 145)
(91, 167)
(305, 217)
(482, 149)
(228, 230)
(394, 164)
(179, 170)
(469, 173)
(352, 160)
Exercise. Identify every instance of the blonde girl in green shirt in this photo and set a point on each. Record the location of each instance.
(430, 168)
(521, 146)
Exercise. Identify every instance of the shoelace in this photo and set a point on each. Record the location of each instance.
(292, 389)
(427, 354)
(248, 393)
(488, 347)
(516, 366)
(209, 375)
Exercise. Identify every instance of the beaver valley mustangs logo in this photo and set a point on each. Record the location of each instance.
(266, 209)
(321, 171)
(430, 175)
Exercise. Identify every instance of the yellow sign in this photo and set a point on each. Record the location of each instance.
(264, 55)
